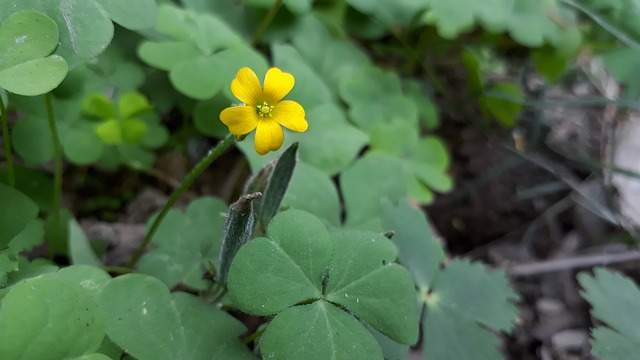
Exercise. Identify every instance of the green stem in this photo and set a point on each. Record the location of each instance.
(220, 294)
(7, 143)
(191, 177)
(254, 336)
(57, 175)
(266, 22)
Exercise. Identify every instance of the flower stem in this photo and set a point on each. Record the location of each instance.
(57, 174)
(7, 143)
(213, 154)
(266, 22)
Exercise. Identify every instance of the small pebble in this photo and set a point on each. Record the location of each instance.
(569, 340)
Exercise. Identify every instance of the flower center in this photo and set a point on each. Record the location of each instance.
(265, 109)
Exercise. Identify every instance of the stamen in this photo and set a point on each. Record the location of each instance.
(264, 109)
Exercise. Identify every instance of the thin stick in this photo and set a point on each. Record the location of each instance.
(188, 181)
(7, 143)
(57, 175)
(579, 262)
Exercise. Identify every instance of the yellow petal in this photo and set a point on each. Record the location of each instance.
(269, 136)
(241, 120)
(277, 85)
(290, 114)
(246, 87)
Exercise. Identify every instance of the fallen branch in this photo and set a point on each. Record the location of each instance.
(579, 262)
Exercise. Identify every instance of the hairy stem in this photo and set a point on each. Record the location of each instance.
(184, 185)
(7, 143)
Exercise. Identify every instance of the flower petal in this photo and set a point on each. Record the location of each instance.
(269, 136)
(246, 87)
(277, 85)
(241, 120)
(290, 114)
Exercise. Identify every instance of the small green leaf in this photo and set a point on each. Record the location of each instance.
(84, 27)
(167, 55)
(136, 15)
(89, 277)
(133, 131)
(237, 232)
(186, 242)
(368, 85)
(34, 77)
(133, 104)
(465, 301)
(394, 137)
(27, 270)
(33, 183)
(26, 40)
(427, 109)
(623, 64)
(331, 143)
(368, 180)
(57, 319)
(8, 265)
(550, 62)
(614, 299)
(312, 190)
(80, 250)
(110, 132)
(99, 106)
(15, 218)
(197, 78)
(504, 101)
(32, 140)
(449, 336)
(143, 317)
(391, 349)
(205, 116)
(136, 156)
(608, 344)
(454, 17)
(82, 145)
(25, 36)
(31, 236)
(418, 246)
(269, 275)
(310, 89)
(326, 332)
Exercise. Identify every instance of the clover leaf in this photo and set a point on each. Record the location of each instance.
(362, 203)
(464, 302)
(133, 15)
(57, 315)
(84, 28)
(620, 338)
(305, 276)
(186, 243)
(27, 39)
(424, 161)
(145, 318)
(202, 53)
(531, 23)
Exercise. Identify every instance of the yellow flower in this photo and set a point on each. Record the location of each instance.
(264, 108)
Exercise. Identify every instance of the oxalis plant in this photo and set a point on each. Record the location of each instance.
(325, 252)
